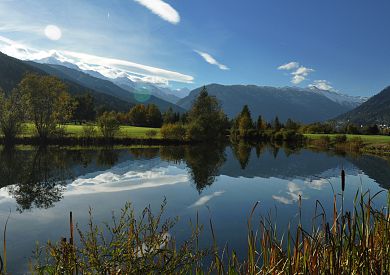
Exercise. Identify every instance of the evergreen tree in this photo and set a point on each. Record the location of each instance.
(277, 125)
(206, 120)
(245, 124)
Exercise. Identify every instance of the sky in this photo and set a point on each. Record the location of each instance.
(338, 45)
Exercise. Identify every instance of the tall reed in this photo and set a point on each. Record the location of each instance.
(351, 242)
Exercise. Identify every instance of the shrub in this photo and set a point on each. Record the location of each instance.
(89, 131)
(151, 133)
(340, 139)
(355, 144)
(173, 131)
(108, 125)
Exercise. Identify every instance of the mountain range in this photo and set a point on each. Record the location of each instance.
(303, 105)
(121, 92)
(105, 92)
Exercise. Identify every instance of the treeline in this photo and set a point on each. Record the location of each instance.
(244, 127)
(348, 128)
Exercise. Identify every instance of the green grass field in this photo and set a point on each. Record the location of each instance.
(369, 139)
(77, 131)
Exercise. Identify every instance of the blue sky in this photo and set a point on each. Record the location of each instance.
(188, 43)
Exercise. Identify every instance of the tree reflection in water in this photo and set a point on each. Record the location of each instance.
(34, 178)
(203, 161)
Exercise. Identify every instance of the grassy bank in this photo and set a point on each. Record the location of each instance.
(76, 131)
(370, 144)
(367, 139)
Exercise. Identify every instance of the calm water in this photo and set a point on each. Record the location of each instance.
(40, 187)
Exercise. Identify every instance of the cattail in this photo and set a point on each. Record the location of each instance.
(342, 180)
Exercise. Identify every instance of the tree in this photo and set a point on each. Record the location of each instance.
(137, 115)
(108, 125)
(277, 125)
(173, 131)
(352, 129)
(65, 107)
(291, 125)
(42, 95)
(245, 123)
(85, 108)
(170, 117)
(261, 125)
(12, 115)
(206, 120)
(153, 116)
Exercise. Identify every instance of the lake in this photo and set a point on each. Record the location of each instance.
(222, 183)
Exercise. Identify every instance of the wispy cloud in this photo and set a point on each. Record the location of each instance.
(162, 9)
(205, 199)
(108, 67)
(299, 72)
(289, 66)
(322, 85)
(211, 60)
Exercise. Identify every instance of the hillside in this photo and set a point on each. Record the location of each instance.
(104, 86)
(299, 104)
(376, 110)
(13, 70)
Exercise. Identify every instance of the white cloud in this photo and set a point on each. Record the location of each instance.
(108, 67)
(205, 199)
(289, 66)
(162, 9)
(211, 60)
(322, 85)
(296, 79)
(128, 66)
(300, 72)
(293, 193)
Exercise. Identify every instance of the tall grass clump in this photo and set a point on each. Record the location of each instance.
(346, 242)
(126, 246)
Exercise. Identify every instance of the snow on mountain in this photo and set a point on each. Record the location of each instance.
(154, 85)
(351, 101)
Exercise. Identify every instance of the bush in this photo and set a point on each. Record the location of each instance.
(89, 131)
(173, 131)
(340, 139)
(151, 133)
(355, 144)
(108, 125)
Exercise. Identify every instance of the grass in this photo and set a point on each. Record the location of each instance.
(347, 242)
(369, 139)
(73, 130)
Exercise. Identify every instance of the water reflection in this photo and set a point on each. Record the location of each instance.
(35, 178)
(50, 182)
(38, 177)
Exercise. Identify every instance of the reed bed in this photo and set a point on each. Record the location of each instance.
(348, 242)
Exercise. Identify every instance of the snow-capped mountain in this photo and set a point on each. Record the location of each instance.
(343, 99)
(129, 82)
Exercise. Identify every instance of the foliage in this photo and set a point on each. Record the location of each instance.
(348, 242)
(85, 108)
(42, 94)
(173, 131)
(135, 246)
(145, 116)
(206, 120)
(245, 123)
(170, 117)
(108, 125)
(151, 133)
(12, 114)
(340, 139)
(89, 131)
